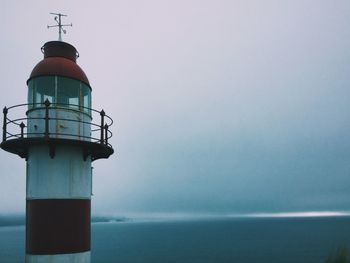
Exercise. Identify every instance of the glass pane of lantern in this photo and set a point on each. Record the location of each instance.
(42, 88)
(30, 95)
(68, 92)
(86, 95)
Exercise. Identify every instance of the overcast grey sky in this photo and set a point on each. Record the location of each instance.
(220, 106)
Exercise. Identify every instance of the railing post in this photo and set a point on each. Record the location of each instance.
(106, 134)
(4, 127)
(22, 125)
(47, 104)
(102, 113)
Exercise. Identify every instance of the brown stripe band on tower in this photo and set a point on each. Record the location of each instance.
(57, 226)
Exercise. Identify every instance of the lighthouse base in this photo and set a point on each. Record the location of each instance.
(83, 257)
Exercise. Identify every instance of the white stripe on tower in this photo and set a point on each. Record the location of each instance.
(65, 258)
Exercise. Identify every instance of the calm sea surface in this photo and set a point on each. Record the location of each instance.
(259, 240)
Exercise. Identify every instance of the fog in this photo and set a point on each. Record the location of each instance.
(219, 106)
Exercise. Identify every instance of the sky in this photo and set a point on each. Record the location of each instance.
(237, 106)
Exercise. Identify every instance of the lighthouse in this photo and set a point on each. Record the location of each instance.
(59, 135)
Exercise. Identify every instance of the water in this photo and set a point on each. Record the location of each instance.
(244, 240)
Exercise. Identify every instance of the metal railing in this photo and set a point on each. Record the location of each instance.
(16, 128)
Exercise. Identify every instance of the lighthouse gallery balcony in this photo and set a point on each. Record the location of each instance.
(54, 124)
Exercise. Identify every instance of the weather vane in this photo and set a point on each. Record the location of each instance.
(59, 25)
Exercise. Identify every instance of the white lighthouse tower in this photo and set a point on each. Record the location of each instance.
(59, 135)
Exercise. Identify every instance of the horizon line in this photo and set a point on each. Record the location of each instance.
(184, 215)
(194, 215)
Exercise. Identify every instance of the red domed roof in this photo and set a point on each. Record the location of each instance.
(59, 66)
(59, 60)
